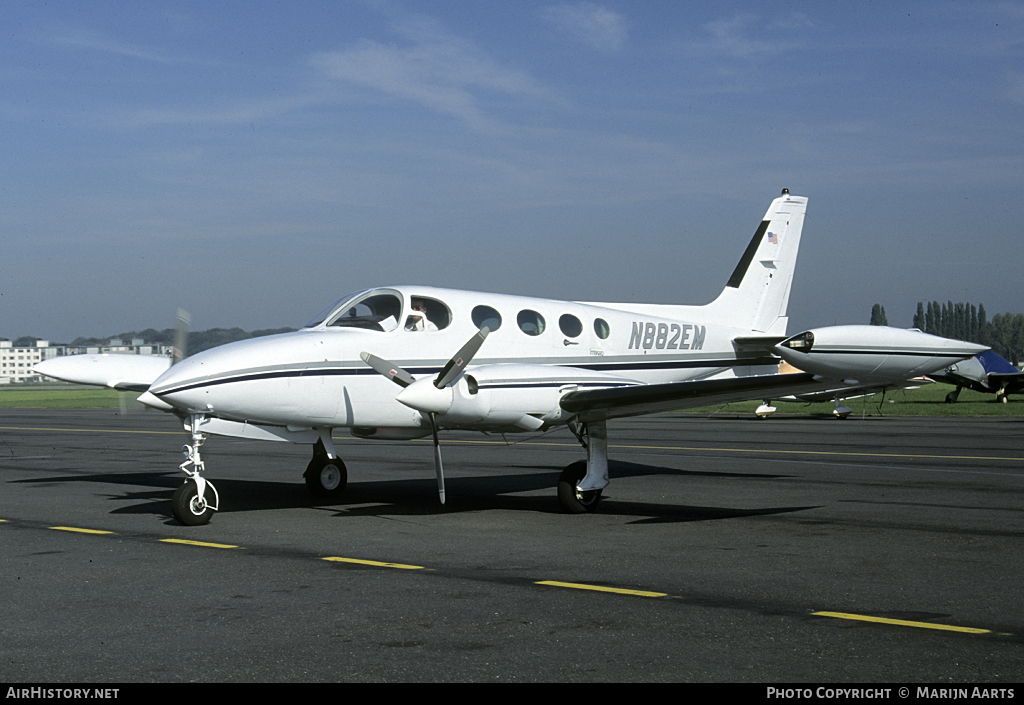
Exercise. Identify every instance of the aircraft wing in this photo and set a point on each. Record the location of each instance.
(125, 372)
(1007, 376)
(1010, 382)
(601, 404)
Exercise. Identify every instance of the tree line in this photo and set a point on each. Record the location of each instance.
(197, 340)
(1004, 333)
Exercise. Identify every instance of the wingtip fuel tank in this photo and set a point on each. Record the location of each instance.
(868, 354)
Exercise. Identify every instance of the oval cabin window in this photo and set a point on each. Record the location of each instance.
(530, 322)
(486, 316)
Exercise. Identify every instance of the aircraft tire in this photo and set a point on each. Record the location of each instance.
(186, 508)
(326, 478)
(573, 501)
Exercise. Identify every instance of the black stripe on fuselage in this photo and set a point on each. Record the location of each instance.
(868, 351)
(610, 367)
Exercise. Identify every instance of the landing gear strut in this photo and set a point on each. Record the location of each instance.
(581, 483)
(194, 503)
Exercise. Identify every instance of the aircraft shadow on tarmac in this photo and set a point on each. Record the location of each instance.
(417, 496)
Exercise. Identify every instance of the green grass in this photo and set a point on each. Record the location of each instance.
(53, 397)
(928, 400)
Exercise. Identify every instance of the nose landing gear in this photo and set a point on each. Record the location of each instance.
(194, 503)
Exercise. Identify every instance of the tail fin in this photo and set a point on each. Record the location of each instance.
(757, 294)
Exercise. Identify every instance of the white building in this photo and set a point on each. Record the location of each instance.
(16, 362)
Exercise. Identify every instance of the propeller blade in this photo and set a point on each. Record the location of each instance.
(393, 372)
(181, 336)
(438, 467)
(462, 358)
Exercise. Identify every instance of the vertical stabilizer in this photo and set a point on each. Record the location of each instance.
(757, 294)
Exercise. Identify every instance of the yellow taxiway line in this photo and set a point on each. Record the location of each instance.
(902, 622)
(573, 586)
(602, 588)
(376, 564)
(187, 542)
(79, 531)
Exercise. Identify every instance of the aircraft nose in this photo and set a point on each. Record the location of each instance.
(186, 384)
(243, 379)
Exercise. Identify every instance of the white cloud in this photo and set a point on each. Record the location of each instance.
(440, 71)
(590, 24)
(93, 41)
(733, 36)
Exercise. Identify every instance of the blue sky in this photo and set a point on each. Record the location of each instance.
(253, 161)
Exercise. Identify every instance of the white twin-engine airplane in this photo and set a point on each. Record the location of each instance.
(380, 363)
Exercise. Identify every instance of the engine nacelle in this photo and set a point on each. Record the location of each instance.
(506, 396)
(872, 354)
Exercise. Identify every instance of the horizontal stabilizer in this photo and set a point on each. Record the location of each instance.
(756, 345)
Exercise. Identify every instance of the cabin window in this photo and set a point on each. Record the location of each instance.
(486, 316)
(377, 310)
(602, 329)
(570, 325)
(426, 314)
(530, 322)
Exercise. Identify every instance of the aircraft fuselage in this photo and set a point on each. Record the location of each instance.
(315, 377)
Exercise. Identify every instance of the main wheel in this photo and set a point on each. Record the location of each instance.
(326, 478)
(188, 508)
(572, 500)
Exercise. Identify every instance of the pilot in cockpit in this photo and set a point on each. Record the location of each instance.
(417, 319)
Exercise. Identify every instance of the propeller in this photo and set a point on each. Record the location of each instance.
(430, 396)
(182, 324)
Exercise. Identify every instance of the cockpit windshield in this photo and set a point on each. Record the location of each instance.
(322, 316)
(379, 310)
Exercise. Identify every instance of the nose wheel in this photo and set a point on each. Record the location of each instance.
(189, 507)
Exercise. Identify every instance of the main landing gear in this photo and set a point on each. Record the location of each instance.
(325, 476)
(581, 483)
